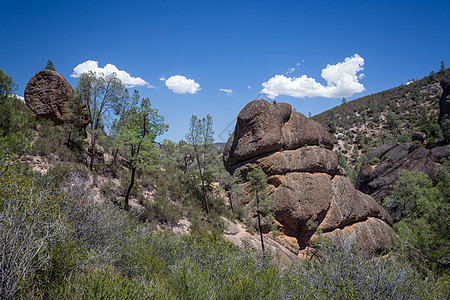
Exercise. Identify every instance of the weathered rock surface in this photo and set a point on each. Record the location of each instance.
(306, 159)
(378, 180)
(444, 102)
(46, 94)
(264, 127)
(308, 190)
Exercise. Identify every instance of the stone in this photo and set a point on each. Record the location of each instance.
(419, 136)
(378, 180)
(264, 127)
(438, 154)
(382, 150)
(371, 235)
(293, 205)
(46, 94)
(308, 190)
(444, 101)
(305, 159)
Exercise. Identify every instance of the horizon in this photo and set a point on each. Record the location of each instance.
(213, 58)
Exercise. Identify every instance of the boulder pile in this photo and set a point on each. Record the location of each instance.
(310, 194)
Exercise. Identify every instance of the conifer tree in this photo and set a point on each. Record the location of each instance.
(50, 66)
(200, 137)
(258, 187)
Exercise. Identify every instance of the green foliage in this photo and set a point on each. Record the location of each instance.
(50, 66)
(7, 85)
(100, 94)
(102, 252)
(16, 120)
(200, 137)
(258, 187)
(446, 131)
(393, 122)
(421, 212)
(53, 143)
(74, 122)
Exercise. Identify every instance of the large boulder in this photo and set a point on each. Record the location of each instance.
(46, 94)
(444, 102)
(308, 190)
(264, 127)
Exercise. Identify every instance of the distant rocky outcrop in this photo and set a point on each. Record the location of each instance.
(377, 180)
(46, 94)
(309, 191)
(444, 102)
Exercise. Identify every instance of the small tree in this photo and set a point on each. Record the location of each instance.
(333, 126)
(258, 186)
(200, 137)
(137, 128)
(393, 122)
(100, 94)
(417, 96)
(74, 121)
(443, 67)
(237, 188)
(50, 66)
(344, 100)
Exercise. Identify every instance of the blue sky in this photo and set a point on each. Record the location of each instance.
(230, 45)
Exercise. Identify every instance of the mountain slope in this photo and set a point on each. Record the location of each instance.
(388, 116)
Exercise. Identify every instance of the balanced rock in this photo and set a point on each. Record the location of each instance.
(309, 191)
(46, 94)
(263, 127)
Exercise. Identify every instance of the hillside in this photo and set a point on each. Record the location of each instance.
(85, 215)
(388, 116)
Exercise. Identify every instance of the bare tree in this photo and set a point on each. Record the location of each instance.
(200, 136)
(101, 94)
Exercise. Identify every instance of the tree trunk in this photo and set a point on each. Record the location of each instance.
(116, 152)
(205, 199)
(259, 223)
(130, 187)
(93, 140)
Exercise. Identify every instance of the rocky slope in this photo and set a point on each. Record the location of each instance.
(378, 179)
(360, 124)
(309, 192)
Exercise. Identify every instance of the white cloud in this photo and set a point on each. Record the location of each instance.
(182, 85)
(126, 78)
(19, 97)
(229, 92)
(341, 79)
(249, 86)
(162, 78)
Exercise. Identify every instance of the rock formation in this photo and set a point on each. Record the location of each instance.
(309, 191)
(46, 94)
(444, 102)
(377, 180)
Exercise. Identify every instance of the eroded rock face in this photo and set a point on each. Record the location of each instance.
(309, 191)
(46, 94)
(378, 180)
(444, 102)
(263, 127)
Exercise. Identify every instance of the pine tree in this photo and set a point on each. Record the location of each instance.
(258, 186)
(50, 66)
(200, 137)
